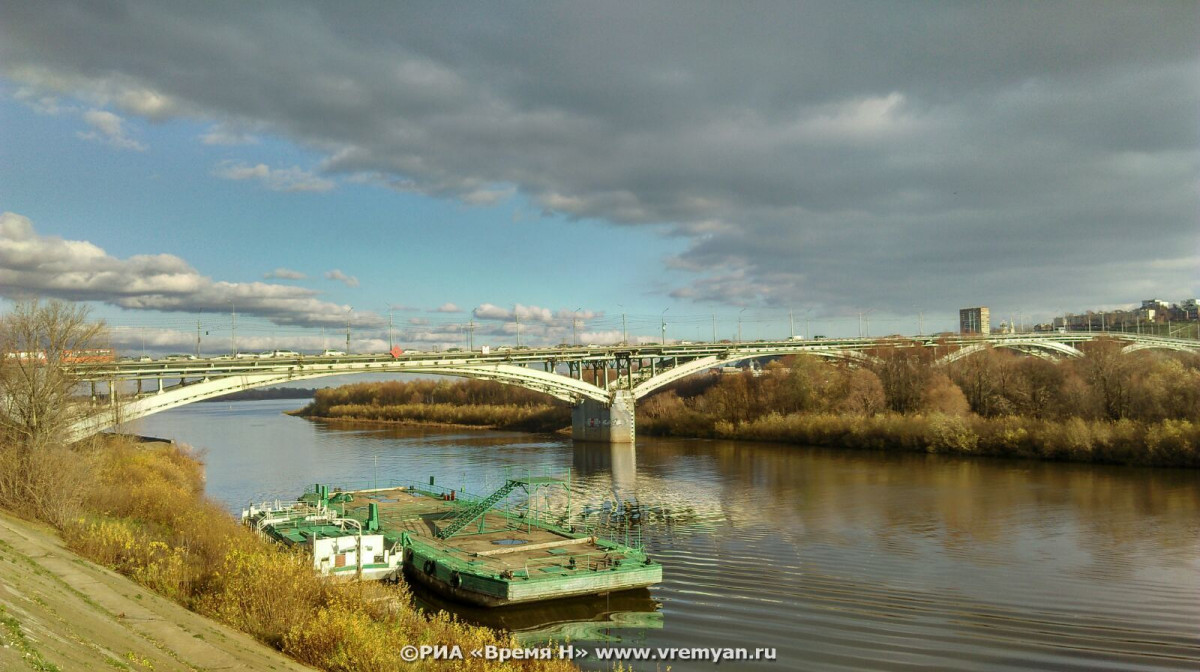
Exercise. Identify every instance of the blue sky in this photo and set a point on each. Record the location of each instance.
(162, 162)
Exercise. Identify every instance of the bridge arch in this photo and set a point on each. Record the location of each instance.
(558, 386)
(695, 366)
(1043, 349)
(1156, 345)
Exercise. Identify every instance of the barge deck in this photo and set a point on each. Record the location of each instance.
(490, 551)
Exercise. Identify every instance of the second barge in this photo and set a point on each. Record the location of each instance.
(490, 551)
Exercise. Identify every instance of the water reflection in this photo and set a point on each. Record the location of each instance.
(839, 559)
(599, 619)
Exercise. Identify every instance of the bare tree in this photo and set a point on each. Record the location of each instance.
(42, 346)
(904, 372)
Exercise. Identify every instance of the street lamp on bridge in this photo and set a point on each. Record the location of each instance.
(663, 319)
(233, 326)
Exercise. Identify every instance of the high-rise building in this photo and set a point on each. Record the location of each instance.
(974, 321)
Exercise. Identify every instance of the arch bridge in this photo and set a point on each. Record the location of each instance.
(602, 383)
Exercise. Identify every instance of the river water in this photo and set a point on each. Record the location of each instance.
(837, 559)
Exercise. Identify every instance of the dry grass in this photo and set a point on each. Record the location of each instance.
(472, 403)
(1171, 443)
(140, 509)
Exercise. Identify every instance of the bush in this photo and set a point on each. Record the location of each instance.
(143, 513)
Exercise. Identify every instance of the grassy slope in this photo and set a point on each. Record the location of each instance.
(61, 611)
(141, 511)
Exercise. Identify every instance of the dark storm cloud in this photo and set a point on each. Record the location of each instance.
(819, 154)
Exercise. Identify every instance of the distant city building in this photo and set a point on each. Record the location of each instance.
(1155, 304)
(974, 321)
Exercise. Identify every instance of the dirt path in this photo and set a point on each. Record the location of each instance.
(59, 611)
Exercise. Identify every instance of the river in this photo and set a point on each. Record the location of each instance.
(836, 559)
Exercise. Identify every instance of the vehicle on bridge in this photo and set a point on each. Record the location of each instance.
(270, 354)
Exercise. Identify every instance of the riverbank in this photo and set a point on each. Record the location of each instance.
(544, 418)
(551, 427)
(1163, 443)
(1168, 443)
(140, 510)
(62, 612)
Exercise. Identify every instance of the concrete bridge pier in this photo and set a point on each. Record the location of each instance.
(611, 422)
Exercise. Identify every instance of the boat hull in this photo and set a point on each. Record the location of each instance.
(527, 592)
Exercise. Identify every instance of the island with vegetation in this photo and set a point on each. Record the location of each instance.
(1136, 408)
(470, 403)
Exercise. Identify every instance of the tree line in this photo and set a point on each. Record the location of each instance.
(1105, 384)
(1106, 406)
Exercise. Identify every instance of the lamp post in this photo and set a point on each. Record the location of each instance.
(390, 343)
(740, 324)
(349, 315)
(233, 327)
(575, 326)
(663, 320)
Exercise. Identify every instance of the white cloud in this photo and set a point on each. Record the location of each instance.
(275, 179)
(116, 90)
(36, 265)
(40, 102)
(285, 274)
(488, 311)
(447, 308)
(224, 135)
(108, 129)
(487, 197)
(581, 314)
(159, 341)
(601, 337)
(337, 274)
(535, 314)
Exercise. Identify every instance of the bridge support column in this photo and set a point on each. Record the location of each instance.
(611, 422)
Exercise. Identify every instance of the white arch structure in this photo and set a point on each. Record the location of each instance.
(640, 369)
(1044, 349)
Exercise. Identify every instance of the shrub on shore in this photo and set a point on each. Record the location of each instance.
(142, 511)
(473, 403)
(1173, 443)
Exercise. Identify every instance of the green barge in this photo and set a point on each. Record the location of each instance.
(492, 551)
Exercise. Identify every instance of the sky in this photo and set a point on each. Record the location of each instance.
(440, 174)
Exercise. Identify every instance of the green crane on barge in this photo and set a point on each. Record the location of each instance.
(488, 551)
